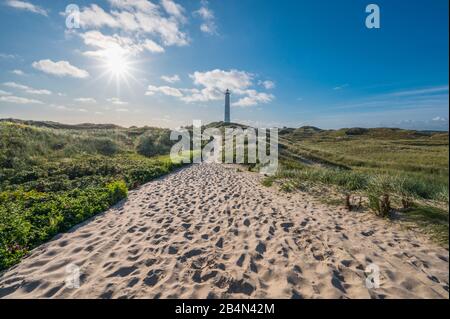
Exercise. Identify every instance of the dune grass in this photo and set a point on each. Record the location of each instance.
(434, 221)
(54, 176)
(52, 179)
(408, 166)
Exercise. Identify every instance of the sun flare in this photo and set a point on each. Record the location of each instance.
(117, 64)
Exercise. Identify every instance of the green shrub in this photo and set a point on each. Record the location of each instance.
(65, 194)
(14, 234)
(105, 146)
(267, 182)
(117, 191)
(53, 179)
(380, 205)
(154, 143)
(288, 186)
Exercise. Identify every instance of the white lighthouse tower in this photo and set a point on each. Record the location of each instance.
(227, 106)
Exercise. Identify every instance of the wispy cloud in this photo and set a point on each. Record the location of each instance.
(17, 72)
(439, 118)
(166, 90)
(88, 100)
(170, 79)
(27, 89)
(7, 56)
(60, 68)
(421, 91)
(429, 98)
(340, 87)
(19, 100)
(62, 107)
(117, 101)
(173, 9)
(208, 19)
(268, 85)
(26, 6)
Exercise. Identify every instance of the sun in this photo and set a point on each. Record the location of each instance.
(117, 63)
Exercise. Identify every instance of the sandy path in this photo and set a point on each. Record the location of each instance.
(210, 231)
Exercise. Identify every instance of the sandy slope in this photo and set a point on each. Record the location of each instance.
(210, 231)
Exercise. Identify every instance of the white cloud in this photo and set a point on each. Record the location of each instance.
(122, 110)
(137, 18)
(340, 87)
(140, 5)
(88, 100)
(27, 89)
(254, 98)
(207, 28)
(17, 72)
(422, 91)
(95, 17)
(120, 45)
(106, 44)
(61, 107)
(4, 92)
(174, 9)
(15, 85)
(428, 98)
(166, 90)
(39, 92)
(7, 56)
(167, 29)
(220, 80)
(207, 15)
(152, 46)
(268, 85)
(211, 85)
(27, 6)
(439, 119)
(170, 79)
(19, 100)
(60, 68)
(117, 101)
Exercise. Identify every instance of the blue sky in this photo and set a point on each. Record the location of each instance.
(287, 63)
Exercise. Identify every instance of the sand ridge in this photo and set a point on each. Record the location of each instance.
(210, 231)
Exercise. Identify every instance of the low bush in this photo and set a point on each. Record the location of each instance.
(154, 143)
(267, 182)
(57, 196)
(117, 191)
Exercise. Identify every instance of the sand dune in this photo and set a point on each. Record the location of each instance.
(208, 231)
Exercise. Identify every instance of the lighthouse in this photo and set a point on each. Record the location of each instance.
(227, 106)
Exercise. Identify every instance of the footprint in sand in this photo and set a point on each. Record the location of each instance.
(206, 231)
